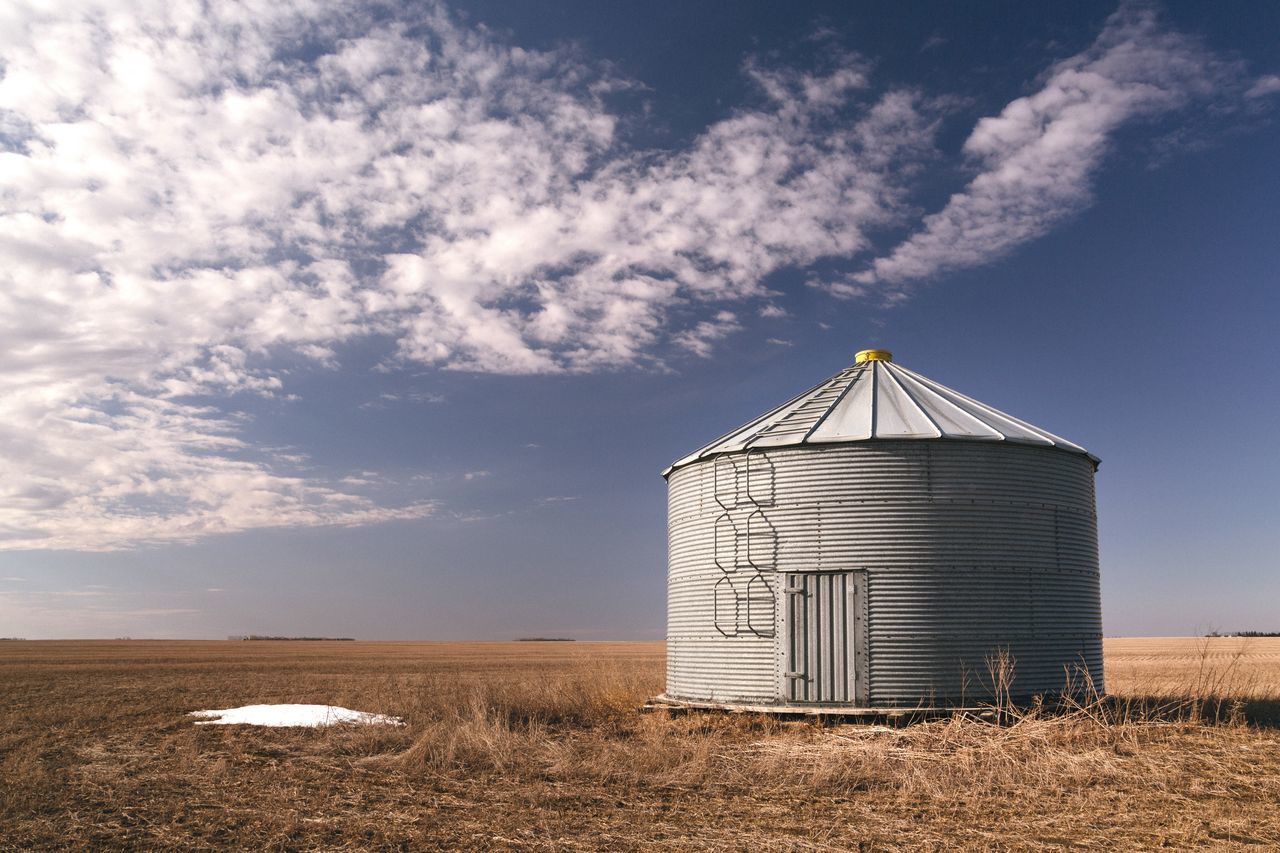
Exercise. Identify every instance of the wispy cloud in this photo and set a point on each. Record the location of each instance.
(701, 338)
(386, 399)
(189, 197)
(933, 42)
(93, 611)
(1264, 86)
(1037, 159)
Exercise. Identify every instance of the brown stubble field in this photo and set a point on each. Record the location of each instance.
(539, 746)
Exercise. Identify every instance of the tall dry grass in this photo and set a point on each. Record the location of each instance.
(580, 725)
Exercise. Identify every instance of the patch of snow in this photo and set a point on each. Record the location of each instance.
(292, 715)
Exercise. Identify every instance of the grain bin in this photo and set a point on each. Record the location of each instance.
(878, 542)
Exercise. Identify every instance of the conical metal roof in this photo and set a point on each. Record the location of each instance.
(877, 399)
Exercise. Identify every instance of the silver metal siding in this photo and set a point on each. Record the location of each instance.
(969, 547)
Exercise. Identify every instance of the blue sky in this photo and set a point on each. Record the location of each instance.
(382, 321)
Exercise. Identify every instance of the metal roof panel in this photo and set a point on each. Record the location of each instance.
(876, 398)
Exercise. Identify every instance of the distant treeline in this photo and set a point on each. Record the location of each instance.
(545, 640)
(308, 639)
(1246, 634)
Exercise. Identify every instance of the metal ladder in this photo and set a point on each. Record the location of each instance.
(803, 418)
(744, 543)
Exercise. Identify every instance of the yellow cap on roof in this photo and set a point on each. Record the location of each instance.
(873, 355)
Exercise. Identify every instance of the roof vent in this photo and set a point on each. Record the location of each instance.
(873, 355)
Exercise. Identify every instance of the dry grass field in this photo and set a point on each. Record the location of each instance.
(538, 745)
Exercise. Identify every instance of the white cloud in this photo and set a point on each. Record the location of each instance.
(1038, 158)
(840, 286)
(191, 192)
(386, 399)
(1263, 86)
(700, 339)
(597, 268)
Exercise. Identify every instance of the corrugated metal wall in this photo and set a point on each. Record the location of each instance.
(969, 547)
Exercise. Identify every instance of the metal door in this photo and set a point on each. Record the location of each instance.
(826, 640)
